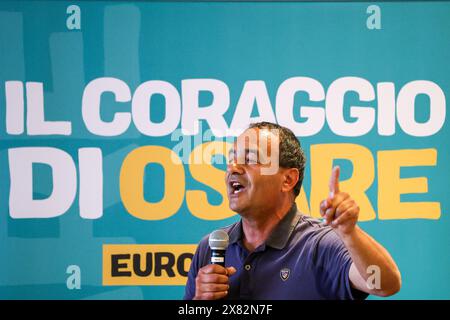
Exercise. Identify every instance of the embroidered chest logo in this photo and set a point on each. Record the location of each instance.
(284, 273)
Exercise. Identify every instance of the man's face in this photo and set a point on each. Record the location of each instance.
(253, 182)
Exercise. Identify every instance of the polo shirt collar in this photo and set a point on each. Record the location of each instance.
(279, 236)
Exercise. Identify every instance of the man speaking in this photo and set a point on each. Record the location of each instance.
(274, 251)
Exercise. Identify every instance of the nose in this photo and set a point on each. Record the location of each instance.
(234, 167)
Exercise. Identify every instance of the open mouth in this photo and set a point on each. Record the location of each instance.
(236, 187)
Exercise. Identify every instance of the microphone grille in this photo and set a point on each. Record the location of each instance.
(218, 240)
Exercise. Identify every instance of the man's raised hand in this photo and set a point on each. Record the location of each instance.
(339, 209)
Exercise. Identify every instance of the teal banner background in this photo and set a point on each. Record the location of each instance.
(232, 42)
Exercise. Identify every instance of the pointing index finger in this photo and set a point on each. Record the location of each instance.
(334, 181)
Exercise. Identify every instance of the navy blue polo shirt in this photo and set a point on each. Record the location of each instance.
(301, 259)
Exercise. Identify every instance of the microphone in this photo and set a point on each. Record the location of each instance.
(218, 242)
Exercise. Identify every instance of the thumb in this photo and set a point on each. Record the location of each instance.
(231, 271)
(334, 181)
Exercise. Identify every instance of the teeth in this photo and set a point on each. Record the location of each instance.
(237, 187)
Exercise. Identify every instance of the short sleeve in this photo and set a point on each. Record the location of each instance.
(333, 263)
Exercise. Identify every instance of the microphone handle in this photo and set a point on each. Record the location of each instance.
(218, 257)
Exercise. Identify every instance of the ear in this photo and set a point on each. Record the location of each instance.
(290, 179)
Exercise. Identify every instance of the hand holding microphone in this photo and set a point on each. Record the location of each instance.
(212, 280)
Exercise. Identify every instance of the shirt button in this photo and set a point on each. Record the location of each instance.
(247, 267)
